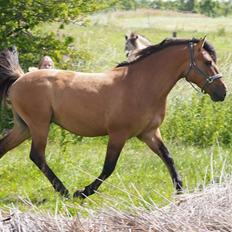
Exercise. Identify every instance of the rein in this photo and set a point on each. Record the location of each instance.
(193, 66)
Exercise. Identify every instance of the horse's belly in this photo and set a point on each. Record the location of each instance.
(82, 125)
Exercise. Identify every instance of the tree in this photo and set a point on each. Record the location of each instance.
(187, 5)
(209, 7)
(190, 5)
(19, 20)
(124, 4)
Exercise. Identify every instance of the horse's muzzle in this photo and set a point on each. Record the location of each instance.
(218, 96)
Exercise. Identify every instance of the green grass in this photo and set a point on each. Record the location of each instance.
(103, 37)
(140, 175)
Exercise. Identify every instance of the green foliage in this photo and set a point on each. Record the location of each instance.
(199, 121)
(62, 137)
(18, 22)
(124, 4)
(6, 121)
(209, 7)
(206, 7)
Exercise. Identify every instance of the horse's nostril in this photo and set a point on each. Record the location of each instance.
(218, 97)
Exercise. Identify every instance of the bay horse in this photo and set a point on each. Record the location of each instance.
(134, 43)
(127, 101)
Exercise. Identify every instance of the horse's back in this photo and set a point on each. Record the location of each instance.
(76, 101)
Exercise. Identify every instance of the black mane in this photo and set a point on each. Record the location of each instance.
(167, 43)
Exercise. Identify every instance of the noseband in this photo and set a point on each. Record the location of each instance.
(193, 66)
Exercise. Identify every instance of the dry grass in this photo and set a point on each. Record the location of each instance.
(209, 209)
(157, 20)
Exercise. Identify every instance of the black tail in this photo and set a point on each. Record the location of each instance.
(10, 70)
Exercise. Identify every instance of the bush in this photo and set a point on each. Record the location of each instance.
(199, 122)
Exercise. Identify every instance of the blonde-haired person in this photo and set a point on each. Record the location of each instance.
(45, 63)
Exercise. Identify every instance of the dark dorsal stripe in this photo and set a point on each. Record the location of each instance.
(167, 43)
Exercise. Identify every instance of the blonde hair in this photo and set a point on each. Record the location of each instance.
(46, 59)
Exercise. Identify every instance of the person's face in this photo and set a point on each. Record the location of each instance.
(47, 64)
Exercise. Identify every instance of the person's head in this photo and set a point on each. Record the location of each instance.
(46, 63)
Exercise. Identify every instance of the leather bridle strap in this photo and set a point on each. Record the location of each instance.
(194, 67)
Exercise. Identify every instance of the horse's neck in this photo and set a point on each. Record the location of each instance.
(132, 55)
(144, 41)
(158, 73)
(140, 44)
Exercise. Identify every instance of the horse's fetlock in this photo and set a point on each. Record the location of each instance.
(63, 191)
(89, 190)
(108, 169)
(178, 184)
(58, 186)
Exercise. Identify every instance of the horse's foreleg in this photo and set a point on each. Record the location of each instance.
(37, 155)
(13, 138)
(155, 143)
(114, 148)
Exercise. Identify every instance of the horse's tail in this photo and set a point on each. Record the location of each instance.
(10, 71)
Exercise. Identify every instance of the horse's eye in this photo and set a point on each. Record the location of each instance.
(208, 63)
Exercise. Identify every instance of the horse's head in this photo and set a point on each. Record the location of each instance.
(203, 71)
(130, 44)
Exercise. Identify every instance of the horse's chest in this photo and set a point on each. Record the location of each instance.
(154, 119)
(145, 121)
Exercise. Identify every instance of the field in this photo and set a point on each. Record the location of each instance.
(196, 131)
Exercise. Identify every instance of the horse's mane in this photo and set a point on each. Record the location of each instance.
(167, 43)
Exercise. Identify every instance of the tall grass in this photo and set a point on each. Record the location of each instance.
(167, 20)
(138, 170)
(205, 210)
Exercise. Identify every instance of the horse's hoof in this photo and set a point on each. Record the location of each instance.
(79, 194)
(179, 191)
(179, 187)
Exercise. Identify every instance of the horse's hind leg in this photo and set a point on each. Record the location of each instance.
(114, 148)
(13, 138)
(37, 155)
(154, 141)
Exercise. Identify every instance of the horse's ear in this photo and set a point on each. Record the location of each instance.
(201, 43)
(126, 37)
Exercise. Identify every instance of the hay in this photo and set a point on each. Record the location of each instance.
(204, 210)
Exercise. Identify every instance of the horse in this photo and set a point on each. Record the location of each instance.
(134, 43)
(127, 101)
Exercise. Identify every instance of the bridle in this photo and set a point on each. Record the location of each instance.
(193, 66)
